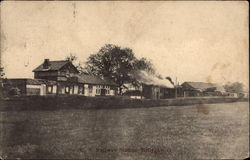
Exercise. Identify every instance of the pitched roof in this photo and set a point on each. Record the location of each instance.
(204, 86)
(200, 85)
(40, 81)
(146, 78)
(53, 66)
(90, 79)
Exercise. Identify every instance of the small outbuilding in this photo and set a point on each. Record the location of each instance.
(149, 87)
(27, 86)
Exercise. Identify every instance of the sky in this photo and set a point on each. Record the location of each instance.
(188, 41)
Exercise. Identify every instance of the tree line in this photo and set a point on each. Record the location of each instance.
(114, 63)
(120, 65)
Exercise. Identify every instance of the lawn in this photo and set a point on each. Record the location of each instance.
(190, 132)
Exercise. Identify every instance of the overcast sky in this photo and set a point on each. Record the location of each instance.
(193, 41)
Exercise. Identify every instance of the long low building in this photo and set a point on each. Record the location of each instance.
(43, 87)
(149, 87)
(194, 89)
(87, 85)
(60, 77)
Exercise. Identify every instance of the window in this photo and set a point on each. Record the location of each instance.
(49, 89)
(67, 89)
(111, 92)
(76, 88)
(63, 90)
(80, 91)
(98, 91)
(54, 88)
(71, 90)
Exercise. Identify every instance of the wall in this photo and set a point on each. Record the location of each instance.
(49, 75)
(156, 92)
(167, 93)
(81, 102)
(147, 91)
(51, 89)
(33, 89)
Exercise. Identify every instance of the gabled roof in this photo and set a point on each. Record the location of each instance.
(90, 79)
(203, 86)
(53, 66)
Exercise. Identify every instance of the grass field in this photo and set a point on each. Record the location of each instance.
(190, 132)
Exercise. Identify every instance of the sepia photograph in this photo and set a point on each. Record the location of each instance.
(124, 80)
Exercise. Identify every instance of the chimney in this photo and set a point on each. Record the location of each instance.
(46, 64)
(170, 80)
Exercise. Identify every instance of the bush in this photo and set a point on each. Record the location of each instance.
(14, 92)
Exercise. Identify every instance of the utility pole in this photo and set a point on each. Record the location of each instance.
(176, 87)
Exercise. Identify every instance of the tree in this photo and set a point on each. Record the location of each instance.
(74, 59)
(146, 65)
(235, 87)
(117, 64)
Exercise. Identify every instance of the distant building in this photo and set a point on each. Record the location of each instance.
(243, 94)
(193, 89)
(149, 87)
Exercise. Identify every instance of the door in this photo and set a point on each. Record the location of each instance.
(103, 92)
(43, 90)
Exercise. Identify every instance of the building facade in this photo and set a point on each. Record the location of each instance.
(149, 87)
(59, 78)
